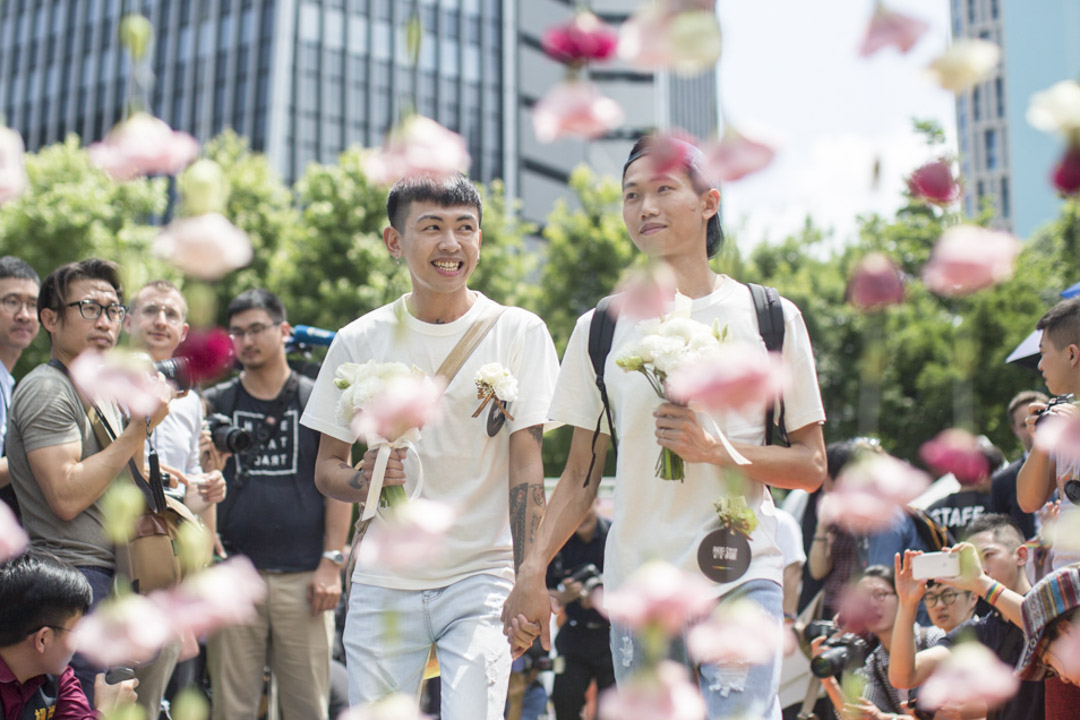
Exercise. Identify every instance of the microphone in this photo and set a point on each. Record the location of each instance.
(311, 336)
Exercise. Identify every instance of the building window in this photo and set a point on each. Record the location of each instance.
(990, 145)
(976, 104)
(971, 12)
(999, 93)
(994, 9)
(1005, 205)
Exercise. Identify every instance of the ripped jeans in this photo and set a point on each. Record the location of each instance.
(388, 634)
(736, 691)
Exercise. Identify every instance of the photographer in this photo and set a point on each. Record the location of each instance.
(875, 596)
(583, 641)
(274, 515)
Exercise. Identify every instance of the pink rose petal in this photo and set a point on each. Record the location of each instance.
(143, 145)
(205, 246)
(972, 673)
(647, 293)
(208, 353)
(574, 108)
(405, 403)
(419, 146)
(869, 492)
(122, 378)
(1066, 177)
(969, 258)
(409, 537)
(956, 451)
(934, 183)
(582, 39)
(124, 632)
(876, 283)
(736, 156)
(222, 595)
(667, 695)
(658, 594)
(738, 633)
(733, 377)
(13, 180)
(891, 28)
(13, 539)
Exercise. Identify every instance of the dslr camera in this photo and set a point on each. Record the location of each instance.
(588, 575)
(226, 436)
(177, 371)
(844, 652)
(1072, 487)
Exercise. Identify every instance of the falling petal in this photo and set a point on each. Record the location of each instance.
(205, 246)
(967, 62)
(223, 595)
(869, 492)
(13, 539)
(891, 28)
(972, 673)
(934, 182)
(143, 145)
(1057, 109)
(667, 694)
(968, 258)
(736, 633)
(401, 404)
(660, 595)
(665, 35)
(574, 108)
(419, 146)
(127, 379)
(124, 631)
(1066, 177)
(393, 707)
(736, 156)
(208, 353)
(958, 452)
(646, 293)
(13, 180)
(583, 39)
(733, 377)
(409, 537)
(876, 283)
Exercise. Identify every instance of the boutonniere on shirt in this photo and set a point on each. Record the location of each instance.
(735, 514)
(495, 384)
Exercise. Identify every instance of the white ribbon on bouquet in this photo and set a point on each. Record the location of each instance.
(384, 446)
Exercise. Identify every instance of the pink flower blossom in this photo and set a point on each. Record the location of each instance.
(869, 492)
(647, 293)
(418, 146)
(736, 156)
(13, 180)
(956, 451)
(972, 673)
(409, 537)
(934, 183)
(1066, 176)
(405, 403)
(733, 377)
(856, 611)
(574, 108)
(876, 283)
(684, 36)
(13, 539)
(392, 707)
(891, 28)
(670, 151)
(582, 39)
(969, 258)
(736, 634)
(660, 595)
(126, 631)
(205, 246)
(1058, 434)
(208, 353)
(668, 695)
(222, 595)
(143, 145)
(126, 379)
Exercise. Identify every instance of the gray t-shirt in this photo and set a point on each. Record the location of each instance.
(46, 411)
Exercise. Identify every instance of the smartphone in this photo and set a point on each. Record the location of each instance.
(935, 565)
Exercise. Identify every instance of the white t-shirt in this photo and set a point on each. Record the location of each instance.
(789, 538)
(177, 438)
(667, 520)
(462, 466)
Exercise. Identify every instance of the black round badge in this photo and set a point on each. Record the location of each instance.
(496, 419)
(724, 555)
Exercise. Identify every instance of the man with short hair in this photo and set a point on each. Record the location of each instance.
(1002, 554)
(19, 286)
(42, 600)
(487, 467)
(1003, 485)
(670, 208)
(59, 469)
(275, 515)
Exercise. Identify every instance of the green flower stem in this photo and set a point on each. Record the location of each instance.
(392, 496)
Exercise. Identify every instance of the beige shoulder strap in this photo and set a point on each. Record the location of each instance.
(468, 343)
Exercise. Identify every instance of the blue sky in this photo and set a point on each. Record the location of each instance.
(791, 75)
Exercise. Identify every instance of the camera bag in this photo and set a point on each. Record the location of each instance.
(447, 371)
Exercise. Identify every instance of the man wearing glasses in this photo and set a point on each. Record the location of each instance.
(18, 328)
(59, 469)
(275, 515)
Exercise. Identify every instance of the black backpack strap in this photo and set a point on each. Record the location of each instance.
(770, 317)
(601, 333)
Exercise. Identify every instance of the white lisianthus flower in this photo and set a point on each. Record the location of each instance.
(1056, 109)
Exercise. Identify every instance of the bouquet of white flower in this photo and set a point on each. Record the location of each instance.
(386, 404)
(666, 344)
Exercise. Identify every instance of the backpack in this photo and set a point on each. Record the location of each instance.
(770, 317)
(933, 534)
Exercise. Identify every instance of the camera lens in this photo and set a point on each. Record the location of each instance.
(1072, 491)
(176, 371)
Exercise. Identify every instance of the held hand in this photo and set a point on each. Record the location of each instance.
(678, 430)
(908, 589)
(212, 487)
(395, 466)
(527, 609)
(324, 588)
(522, 635)
(110, 697)
(211, 458)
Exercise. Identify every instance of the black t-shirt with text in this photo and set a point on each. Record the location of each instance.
(273, 513)
(956, 511)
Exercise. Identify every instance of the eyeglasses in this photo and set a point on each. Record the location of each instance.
(13, 303)
(945, 598)
(172, 315)
(879, 595)
(92, 309)
(251, 332)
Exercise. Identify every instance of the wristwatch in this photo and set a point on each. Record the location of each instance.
(335, 556)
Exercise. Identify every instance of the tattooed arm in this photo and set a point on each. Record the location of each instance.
(527, 500)
(337, 478)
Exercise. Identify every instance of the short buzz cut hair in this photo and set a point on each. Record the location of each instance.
(161, 285)
(446, 191)
(39, 589)
(1061, 323)
(1023, 399)
(257, 299)
(54, 290)
(13, 267)
(1002, 529)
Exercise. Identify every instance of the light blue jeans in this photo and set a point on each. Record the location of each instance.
(388, 634)
(733, 691)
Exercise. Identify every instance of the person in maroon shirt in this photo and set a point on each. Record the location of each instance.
(42, 600)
